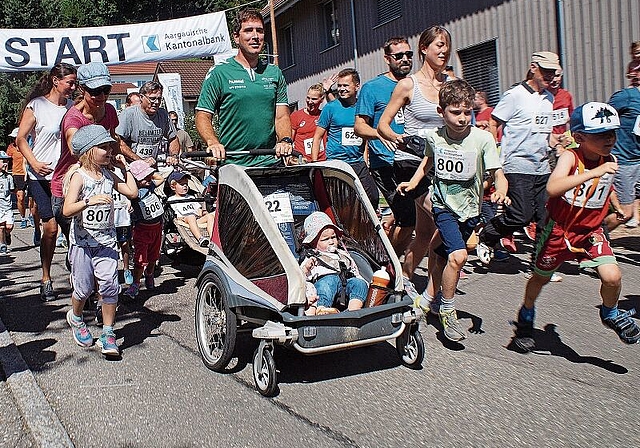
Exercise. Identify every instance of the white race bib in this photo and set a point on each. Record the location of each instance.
(279, 205)
(308, 145)
(187, 208)
(560, 117)
(145, 150)
(453, 164)
(98, 217)
(597, 199)
(349, 138)
(119, 201)
(151, 207)
(542, 122)
(636, 127)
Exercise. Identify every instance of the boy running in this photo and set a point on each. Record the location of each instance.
(460, 155)
(579, 194)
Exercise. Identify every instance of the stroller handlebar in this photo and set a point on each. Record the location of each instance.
(252, 152)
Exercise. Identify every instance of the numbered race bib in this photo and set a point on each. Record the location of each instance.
(187, 208)
(452, 164)
(98, 217)
(560, 117)
(597, 199)
(119, 201)
(308, 145)
(145, 150)
(349, 138)
(399, 118)
(279, 205)
(151, 207)
(542, 122)
(636, 127)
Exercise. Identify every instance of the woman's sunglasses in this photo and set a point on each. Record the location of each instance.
(103, 90)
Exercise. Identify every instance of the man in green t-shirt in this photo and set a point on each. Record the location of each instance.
(250, 97)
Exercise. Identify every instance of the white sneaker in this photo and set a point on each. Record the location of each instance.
(484, 253)
(555, 278)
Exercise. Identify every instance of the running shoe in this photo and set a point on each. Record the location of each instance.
(128, 277)
(452, 327)
(624, 326)
(524, 335)
(133, 290)
(31, 223)
(555, 278)
(7, 238)
(149, 282)
(98, 314)
(530, 231)
(501, 256)
(3, 249)
(46, 291)
(24, 223)
(107, 342)
(484, 253)
(79, 330)
(509, 244)
(60, 241)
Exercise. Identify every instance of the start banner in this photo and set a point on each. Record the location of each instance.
(41, 49)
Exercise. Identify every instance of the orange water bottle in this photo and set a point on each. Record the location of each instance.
(378, 287)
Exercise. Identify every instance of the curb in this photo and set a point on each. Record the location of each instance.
(44, 425)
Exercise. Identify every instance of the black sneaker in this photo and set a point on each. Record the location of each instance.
(99, 315)
(524, 335)
(626, 328)
(7, 238)
(46, 291)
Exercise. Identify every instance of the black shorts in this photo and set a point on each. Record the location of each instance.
(19, 182)
(40, 191)
(387, 180)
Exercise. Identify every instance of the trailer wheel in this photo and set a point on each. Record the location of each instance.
(410, 347)
(216, 324)
(265, 375)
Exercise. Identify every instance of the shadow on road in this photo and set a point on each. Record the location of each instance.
(548, 342)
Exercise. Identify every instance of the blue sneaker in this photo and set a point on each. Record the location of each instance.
(128, 277)
(3, 249)
(624, 326)
(23, 223)
(31, 222)
(79, 330)
(107, 342)
(133, 290)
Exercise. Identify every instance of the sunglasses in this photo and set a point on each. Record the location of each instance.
(153, 99)
(399, 56)
(104, 90)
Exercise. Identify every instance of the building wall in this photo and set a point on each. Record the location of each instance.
(597, 38)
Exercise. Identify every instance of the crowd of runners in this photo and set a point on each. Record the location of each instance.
(454, 172)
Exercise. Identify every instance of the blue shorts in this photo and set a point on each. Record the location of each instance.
(454, 233)
(40, 191)
(625, 181)
(123, 234)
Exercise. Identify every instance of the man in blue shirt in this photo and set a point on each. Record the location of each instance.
(338, 119)
(388, 166)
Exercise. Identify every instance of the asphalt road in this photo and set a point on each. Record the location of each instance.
(580, 388)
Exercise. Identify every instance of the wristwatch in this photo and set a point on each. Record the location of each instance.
(286, 140)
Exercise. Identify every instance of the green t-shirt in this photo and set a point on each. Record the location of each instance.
(459, 169)
(246, 106)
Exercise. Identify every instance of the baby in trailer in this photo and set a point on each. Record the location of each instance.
(328, 268)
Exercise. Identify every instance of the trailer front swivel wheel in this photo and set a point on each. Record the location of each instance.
(265, 375)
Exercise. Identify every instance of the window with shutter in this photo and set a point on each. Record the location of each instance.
(480, 69)
(388, 10)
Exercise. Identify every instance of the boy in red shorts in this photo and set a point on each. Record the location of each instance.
(579, 194)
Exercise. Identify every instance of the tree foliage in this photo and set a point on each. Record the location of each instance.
(30, 14)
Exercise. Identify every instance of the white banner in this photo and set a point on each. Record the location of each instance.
(172, 94)
(41, 49)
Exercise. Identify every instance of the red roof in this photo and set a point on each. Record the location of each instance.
(192, 74)
(134, 68)
(120, 88)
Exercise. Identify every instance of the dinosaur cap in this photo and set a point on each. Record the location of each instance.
(593, 118)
